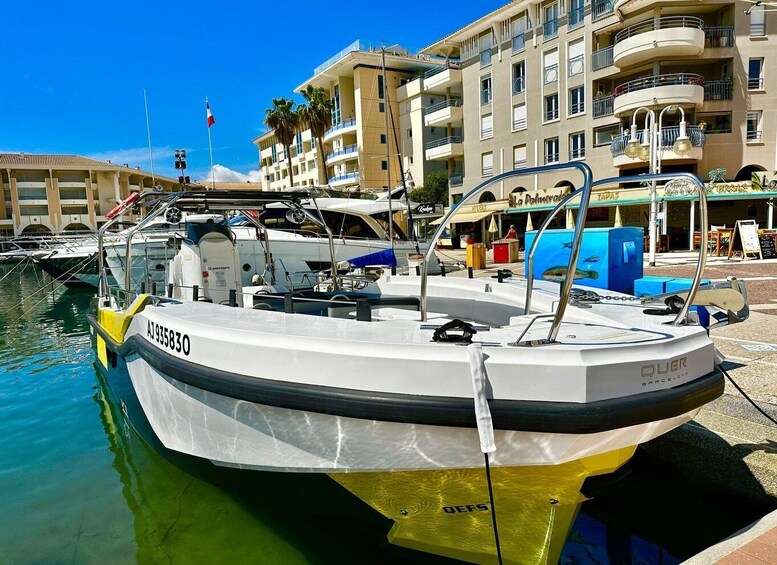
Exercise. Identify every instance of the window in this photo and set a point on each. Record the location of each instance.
(485, 49)
(577, 145)
(312, 142)
(604, 135)
(576, 101)
(383, 138)
(311, 165)
(519, 77)
(519, 156)
(550, 66)
(519, 117)
(576, 12)
(754, 132)
(274, 151)
(380, 87)
(298, 139)
(550, 28)
(551, 107)
(716, 122)
(382, 107)
(576, 58)
(487, 164)
(485, 90)
(519, 34)
(755, 79)
(757, 21)
(486, 126)
(302, 167)
(551, 150)
(336, 105)
(409, 133)
(383, 165)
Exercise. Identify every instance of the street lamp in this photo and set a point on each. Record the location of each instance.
(180, 163)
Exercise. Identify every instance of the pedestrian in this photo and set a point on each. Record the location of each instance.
(511, 233)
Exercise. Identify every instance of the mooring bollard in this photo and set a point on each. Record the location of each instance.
(196, 293)
(499, 276)
(170, 290)
(143, 287)
(470, 273)
(232, 297)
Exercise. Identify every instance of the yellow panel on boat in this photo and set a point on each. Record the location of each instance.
(448, 511)
(116, 324)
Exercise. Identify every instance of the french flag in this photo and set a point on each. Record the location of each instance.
(209, 115)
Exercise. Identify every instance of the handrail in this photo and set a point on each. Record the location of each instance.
(653, 24)
(342, 125)
(703, 226)
(450, 102)
(566, 288)
(442, 68)
(443, 141)
(653, 81)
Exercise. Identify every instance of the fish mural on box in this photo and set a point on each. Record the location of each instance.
(559, 274)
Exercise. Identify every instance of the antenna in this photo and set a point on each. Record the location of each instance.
(148, 130)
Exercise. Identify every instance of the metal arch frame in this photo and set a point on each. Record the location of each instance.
(584, 192)
(703, 228)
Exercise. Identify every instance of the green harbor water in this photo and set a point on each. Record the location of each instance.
(78, 485)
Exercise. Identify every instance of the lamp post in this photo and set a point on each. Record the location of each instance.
(180, 163)
(650, 150)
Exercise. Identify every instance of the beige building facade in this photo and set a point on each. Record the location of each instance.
(55, 194)
(558, 80)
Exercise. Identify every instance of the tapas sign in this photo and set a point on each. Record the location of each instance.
(744, 238)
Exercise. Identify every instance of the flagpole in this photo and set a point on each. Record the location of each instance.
(148, 130)
(210, 145)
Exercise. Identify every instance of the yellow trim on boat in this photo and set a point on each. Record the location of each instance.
(116, 323)
(448, 512)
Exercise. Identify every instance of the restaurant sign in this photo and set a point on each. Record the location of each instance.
(544, 198)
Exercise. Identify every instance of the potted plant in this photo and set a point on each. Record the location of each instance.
(702, 125)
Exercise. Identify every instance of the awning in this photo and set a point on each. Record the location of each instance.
(464, 218)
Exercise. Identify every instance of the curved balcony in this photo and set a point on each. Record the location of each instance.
(667, 138)
(343, 154)
(344, 179)
(670, 36)
(686, 89)
(444, 148)
(347, 126)
(445, 112)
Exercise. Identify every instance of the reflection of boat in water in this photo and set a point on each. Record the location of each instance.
(376, 390)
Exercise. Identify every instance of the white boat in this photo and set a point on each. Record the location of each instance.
(397, 387)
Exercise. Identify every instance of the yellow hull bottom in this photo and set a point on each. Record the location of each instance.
(447, 512)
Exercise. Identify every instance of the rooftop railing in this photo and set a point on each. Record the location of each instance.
(653, 24)
(669, 79)
(449, 103)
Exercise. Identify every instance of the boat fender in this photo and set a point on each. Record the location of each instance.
(467, 331)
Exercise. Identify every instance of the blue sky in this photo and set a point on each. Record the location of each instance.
(74, 71)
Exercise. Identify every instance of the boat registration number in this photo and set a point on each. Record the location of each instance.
(175, 341)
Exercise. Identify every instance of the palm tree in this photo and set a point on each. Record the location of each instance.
(284, 121)
(317, 115)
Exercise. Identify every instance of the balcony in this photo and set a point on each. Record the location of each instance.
(344, 179)
(671, 36)
(718, 37)
(342, 154)
(668, 136)
(602, 58)
(456, 180)
(686, 89)
(576, 17)
(444, 148)
(601, 9)
(718, 90)
(445, 112)
(602, 106)
(347, 126)
(439, 79)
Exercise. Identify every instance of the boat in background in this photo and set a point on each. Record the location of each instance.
(471, 412)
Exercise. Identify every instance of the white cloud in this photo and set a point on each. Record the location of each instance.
(136, 157)
(224, 174)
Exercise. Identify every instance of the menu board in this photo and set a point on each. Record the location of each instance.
(745, 239)
(768, 247)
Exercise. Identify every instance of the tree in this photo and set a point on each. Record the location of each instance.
(435, 189)
(284, 121)
(316, 113)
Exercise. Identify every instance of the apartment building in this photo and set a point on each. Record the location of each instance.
(356, 146)
(54, 194)
(538, 82)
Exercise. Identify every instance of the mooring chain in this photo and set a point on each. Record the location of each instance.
(585, 298)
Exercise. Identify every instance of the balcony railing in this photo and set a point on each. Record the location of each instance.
(344, 151)
(602, 107)
(486, 133)
(485, 58)
(550, 28)
(520, 123)
(519, 42)
(442, 68)
(488, 171)
(577, 153)
(718, 90)
(756, 135)
(443, 141)
(456, 180)
(602, 8)
(721, 36)
(485, 96)
(576, 65)
(519, 85)
(655, 81)
(576, 16)
(341, 125)
(755, 83)
(519, 164)
(551, 74)
(653, 24)
(449, 103)
(551, 114)
(602, 58)
(577, 108)
(551, 158)
(668, 136)
(344, 176)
